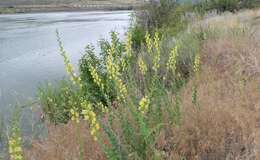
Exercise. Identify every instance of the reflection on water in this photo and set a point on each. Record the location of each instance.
(29, 51)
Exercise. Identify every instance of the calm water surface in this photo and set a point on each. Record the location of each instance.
(29, 51)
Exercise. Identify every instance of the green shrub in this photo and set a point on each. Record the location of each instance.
(56, 101)
(163, 16)
(225, 5)
(92, 91)
(138, 34)
(91, 59)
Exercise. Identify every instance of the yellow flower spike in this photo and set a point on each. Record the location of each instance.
(94, 120)
(69, 68)
(129, 45)
(90, 116)
(157, 55)
(196, 66)
(92, 132)
(196, 69)
(156, 41)
(15, 149)
(97, 126)
(148, 42)
(114, 74)
(121, 89)
(124, 63)
(19, 157)
(171, 64)
(111, 67)
(96, 77)
(104, 109)
(144, 104)
(142, 66)
(74, 115)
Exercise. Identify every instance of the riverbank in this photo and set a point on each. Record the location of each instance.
(217, 106)
(180, 86)
(62, 8)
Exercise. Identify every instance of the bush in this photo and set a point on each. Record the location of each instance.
(163, 16)
(91, 62)
(225, 5)
(88, 60)
(56, 101)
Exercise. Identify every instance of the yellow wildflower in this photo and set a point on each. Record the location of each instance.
(196, 66)
(196, 69)
(15, 149)
(104, 109)
(122, 88)
(144, 104)
(124, 63)
(156, 42)
(96, 77)
(129, 45)
(112, 68)
(148, 42)
(74, 115)
(113, 72)
(69, 68)
(90, 116)
(156, 57)
(142, 66)
(171, 64)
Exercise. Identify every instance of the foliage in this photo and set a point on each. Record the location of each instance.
(57, 101)
(225, 5)
(163, 16)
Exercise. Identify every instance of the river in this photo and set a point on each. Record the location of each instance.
(29, 53)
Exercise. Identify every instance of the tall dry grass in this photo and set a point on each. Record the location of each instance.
(63, 143)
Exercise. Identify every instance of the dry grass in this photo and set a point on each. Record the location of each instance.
(62, 144)
(221, 126)
(225, 123)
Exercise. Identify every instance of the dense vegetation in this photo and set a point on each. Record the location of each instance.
(179, 87)
(226, 5)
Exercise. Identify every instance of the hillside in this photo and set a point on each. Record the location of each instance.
(12, 6)
(66, 2)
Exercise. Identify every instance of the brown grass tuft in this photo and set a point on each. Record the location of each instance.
(62, 144)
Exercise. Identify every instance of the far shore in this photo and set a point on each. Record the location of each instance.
(63, 8)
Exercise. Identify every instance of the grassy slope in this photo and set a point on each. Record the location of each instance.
(228, 96)
(234, 59)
